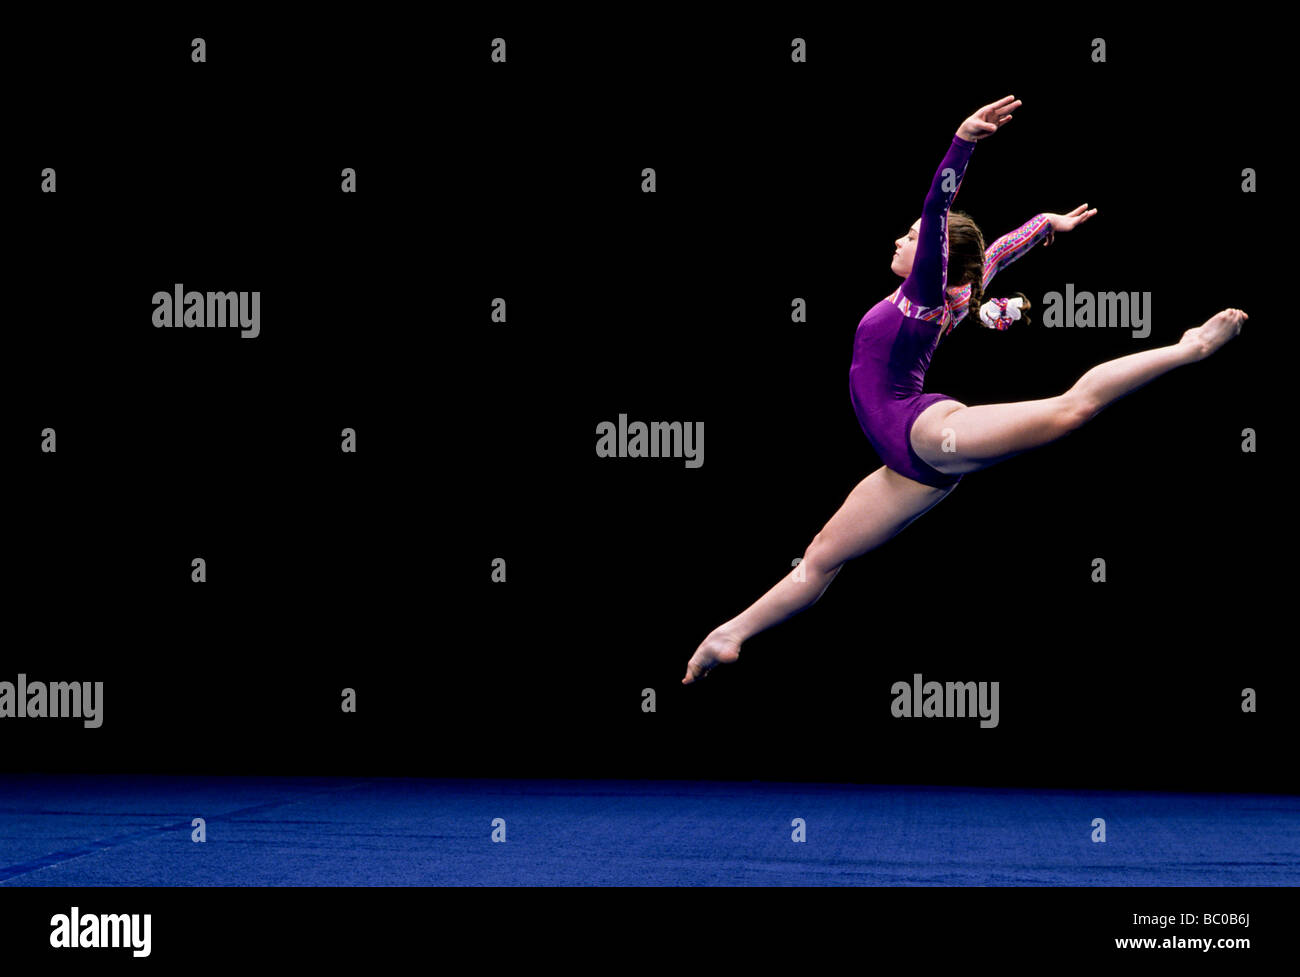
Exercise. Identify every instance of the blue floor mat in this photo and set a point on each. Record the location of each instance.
(136, 831)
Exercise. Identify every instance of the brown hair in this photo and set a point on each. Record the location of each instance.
(966, 262)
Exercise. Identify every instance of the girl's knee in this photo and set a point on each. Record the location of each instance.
(1076, 409)
(818, 557)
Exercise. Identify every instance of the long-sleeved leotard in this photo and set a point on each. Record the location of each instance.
(898, 335)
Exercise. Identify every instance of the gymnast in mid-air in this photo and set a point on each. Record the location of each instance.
(928, 441)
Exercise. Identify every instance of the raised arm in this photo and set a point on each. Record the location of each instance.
(927, 283)
(1011, 247)
(928, 280)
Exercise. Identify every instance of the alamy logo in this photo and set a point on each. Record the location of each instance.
(1098, 310)
(951, 700)
(211, 310)
(58, 700)
(102, 932)
(661, 439)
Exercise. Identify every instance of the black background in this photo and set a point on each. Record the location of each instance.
(476, 439)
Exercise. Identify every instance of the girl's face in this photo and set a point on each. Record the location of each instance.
(904, 248)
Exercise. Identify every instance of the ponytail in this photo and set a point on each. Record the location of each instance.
(966, 265)
(1000, 313)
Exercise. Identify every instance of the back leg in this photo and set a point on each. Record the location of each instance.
(880, 507)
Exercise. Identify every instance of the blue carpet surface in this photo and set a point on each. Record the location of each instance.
(132, 830)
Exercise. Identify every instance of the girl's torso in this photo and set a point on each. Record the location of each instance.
(892, 349)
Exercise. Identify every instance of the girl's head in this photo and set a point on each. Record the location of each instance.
(904, 249)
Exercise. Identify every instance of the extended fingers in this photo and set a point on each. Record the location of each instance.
(997, 112)
(1078, 216)
(1003, 108)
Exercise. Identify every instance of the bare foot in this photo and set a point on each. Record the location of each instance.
(1216, 330)
(717, 649)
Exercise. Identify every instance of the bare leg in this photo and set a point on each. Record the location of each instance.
(877, 509)
(956, 439)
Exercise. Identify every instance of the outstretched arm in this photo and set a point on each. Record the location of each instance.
(1042, 227)
(1009, 248)
(927, 283)
(1002, 252)
(1012, 247)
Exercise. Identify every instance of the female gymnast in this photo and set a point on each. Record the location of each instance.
(928, 441)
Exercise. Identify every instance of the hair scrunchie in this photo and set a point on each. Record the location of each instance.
(1000, 313)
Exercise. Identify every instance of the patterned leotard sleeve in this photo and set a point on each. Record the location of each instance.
(1002, 252)
(926, 286)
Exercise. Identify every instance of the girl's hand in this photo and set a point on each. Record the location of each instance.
(986, 120)
(1067, 222)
